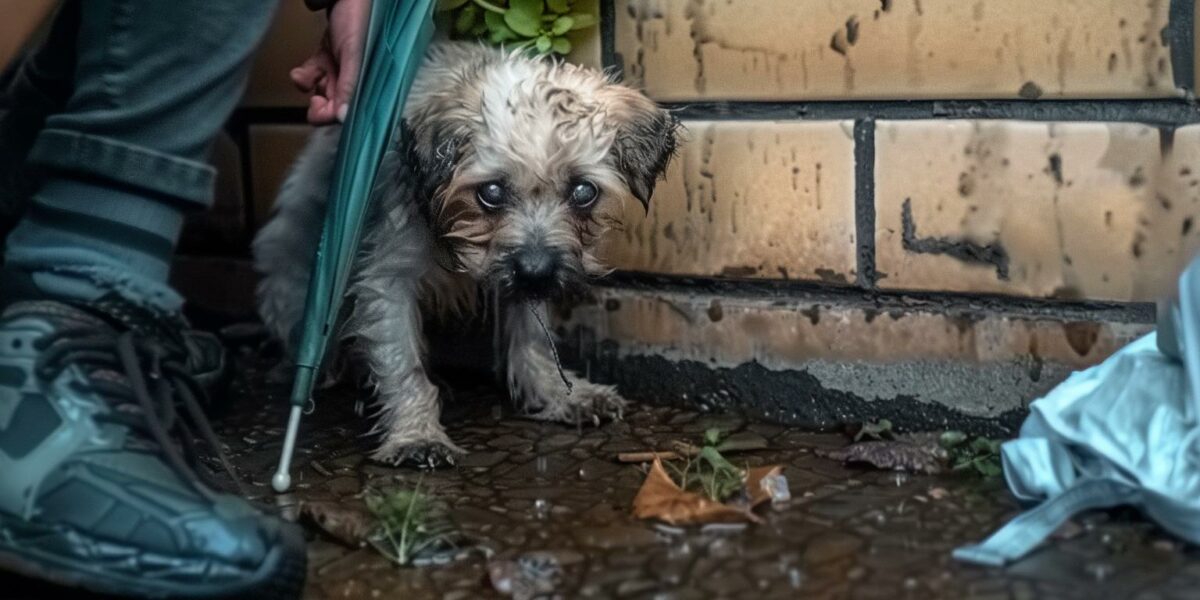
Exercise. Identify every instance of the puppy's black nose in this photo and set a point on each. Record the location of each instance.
(534, 268)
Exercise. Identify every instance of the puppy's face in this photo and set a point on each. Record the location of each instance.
(525, 164)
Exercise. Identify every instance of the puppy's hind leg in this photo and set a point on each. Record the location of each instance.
(535, 381)
(284, 248)
(386, 325)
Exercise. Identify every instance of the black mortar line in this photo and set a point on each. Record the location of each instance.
(993, 255)
(608, 38)
(955, 303)
(1155, 111)
(864, 200)
(1181, 30)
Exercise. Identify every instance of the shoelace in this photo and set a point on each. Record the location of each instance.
(152, 391)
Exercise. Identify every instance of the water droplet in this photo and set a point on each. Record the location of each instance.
(795, 578)
(910, 583)
(541, 508)
(679, 550)
(1099, 571)
(901, 479)
(540, 465)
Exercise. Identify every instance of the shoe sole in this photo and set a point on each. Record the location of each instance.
(280, 576)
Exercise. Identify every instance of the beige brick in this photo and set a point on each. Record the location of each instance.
(728, 331)
(830, 49)
(980, 363)
(750, 199)
(273, 148)
(1079, 210)
(20, 24)
(585, 43)
(293, 37)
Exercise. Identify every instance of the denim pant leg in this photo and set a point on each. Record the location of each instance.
(154, 82)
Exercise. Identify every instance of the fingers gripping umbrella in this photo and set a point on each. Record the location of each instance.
(398, 34)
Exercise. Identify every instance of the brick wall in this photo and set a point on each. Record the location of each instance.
(929, 210)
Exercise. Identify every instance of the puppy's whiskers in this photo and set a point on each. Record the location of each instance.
(550, 342)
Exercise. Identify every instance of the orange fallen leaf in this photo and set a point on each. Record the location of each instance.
(345, 522)
(661, 498)
(754, 483)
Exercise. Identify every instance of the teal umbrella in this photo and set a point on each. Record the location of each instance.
(400, 30)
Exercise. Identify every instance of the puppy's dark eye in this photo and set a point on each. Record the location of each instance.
(583, 194)
(492, 195)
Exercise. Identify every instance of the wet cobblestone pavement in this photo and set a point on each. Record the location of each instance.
(848, 533)
(535, 487)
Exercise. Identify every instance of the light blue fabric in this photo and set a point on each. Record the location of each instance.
(1123, 432)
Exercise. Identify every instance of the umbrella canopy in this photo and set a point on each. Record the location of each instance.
(399, 32)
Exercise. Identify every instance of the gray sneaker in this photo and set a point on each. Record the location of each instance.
(100, 483)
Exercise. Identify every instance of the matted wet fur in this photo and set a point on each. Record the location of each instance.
(507, 172)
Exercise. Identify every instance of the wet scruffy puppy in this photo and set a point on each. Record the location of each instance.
(506, 173)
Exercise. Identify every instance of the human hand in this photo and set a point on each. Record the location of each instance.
(330, 75)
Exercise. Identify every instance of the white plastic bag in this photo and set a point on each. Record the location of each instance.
(1122, 432)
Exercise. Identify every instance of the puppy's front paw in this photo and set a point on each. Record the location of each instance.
(427, 456)
(434, 452)
(587, 403)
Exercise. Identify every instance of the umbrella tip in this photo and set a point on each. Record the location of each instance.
(281, 482)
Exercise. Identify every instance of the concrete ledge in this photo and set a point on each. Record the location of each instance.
(817, 364)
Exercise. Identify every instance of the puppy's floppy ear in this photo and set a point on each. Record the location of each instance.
(433, 148)
(646, 138)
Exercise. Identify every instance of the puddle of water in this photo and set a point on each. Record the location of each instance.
(1099, 571)
(795, 577)
(831, 534)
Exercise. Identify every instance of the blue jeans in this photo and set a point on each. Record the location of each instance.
(133, 93)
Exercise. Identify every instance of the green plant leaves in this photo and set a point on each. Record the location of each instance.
(582, 21)
(951, 439)
(466, 19)
(540, 26)
(713, 436)
(879, 430)
(500, 32)
(561, 46)
(562, 25)
(525, 17)
(973, 453)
